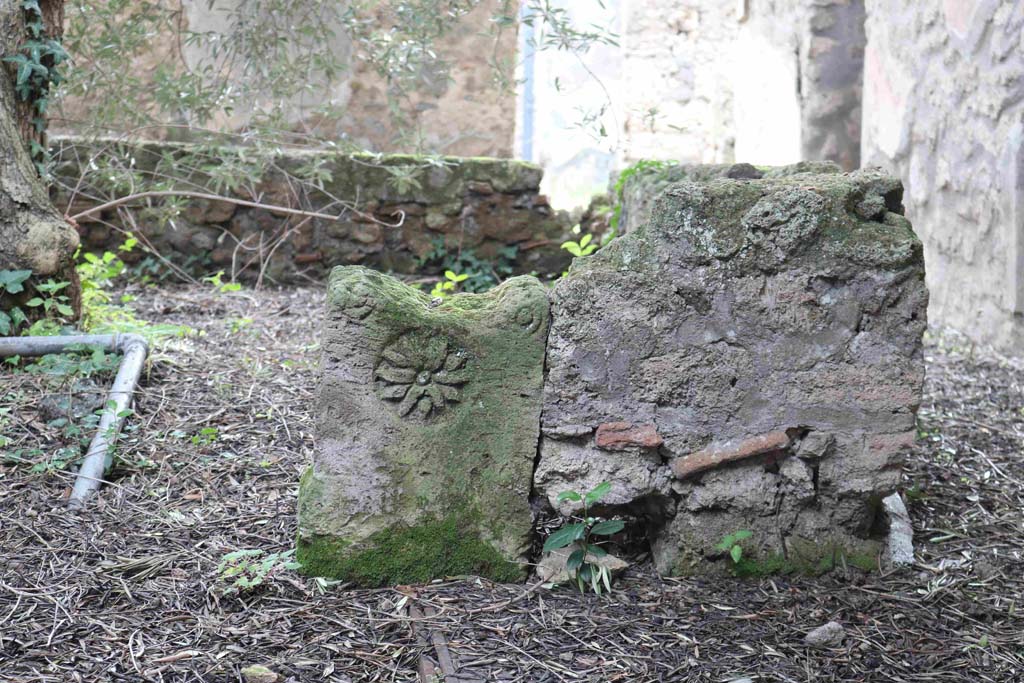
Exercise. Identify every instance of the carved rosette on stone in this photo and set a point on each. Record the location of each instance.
(427, 426)
(421, 374)
(748, 359)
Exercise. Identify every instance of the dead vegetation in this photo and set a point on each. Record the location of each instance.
(127, 590)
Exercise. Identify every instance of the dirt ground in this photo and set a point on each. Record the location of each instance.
(128, 589)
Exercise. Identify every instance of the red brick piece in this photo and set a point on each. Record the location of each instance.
(621, 436)
(730, 451)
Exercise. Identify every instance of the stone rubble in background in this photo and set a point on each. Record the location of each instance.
(427, 427)
(899, 547)
(748, 359)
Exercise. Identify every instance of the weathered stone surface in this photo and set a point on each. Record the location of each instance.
(770, 333)
(645, 185)
(943, 110)
(428, 420)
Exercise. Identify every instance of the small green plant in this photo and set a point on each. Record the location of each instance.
(56, 307)
(581, 533)
(96, 274)
(238, 325)
(585, 247)
(483, 274)
(206, 436)
(627, 174)
(244, 570)
(915, 493)
(730, 543)
(80, 362)
(12, 282)
(219, 285)
(642, 166)
(100, 312)
(608, 237)
(449, 284)
(404, 178)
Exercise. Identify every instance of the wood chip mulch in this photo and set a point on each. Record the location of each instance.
(127, 589)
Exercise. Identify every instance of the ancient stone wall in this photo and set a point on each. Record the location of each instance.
(463, 113)
(676, 84)
(395, 213)
(944, 110)
(709, 69)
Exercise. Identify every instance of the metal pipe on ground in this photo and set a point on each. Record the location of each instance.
(100, 454)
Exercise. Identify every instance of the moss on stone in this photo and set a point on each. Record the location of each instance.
(401, 555)
(813, 561)
(472, 452)
(846, 218)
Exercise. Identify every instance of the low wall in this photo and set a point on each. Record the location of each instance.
(397, 213)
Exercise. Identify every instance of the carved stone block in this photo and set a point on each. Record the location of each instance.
(427, 428)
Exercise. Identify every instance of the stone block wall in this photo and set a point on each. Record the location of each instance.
(393, 211)
(944, 110)
(675, 66)
(708, 68)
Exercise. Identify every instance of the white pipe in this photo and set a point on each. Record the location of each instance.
(100, 454)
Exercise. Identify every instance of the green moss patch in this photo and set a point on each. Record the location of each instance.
(418, 554)
(820, 563)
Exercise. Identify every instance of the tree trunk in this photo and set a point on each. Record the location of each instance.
(53, 21)
(33, 235)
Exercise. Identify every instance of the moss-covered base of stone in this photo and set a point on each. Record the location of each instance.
(418, 554)
(822, 563)
(802, 558)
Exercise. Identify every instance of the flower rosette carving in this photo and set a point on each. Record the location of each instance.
(421, 374)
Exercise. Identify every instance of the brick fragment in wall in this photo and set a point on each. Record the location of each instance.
(732, 451)
(621, 436)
